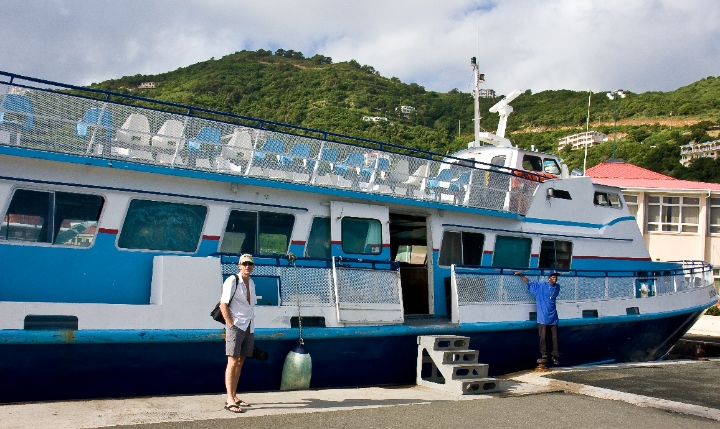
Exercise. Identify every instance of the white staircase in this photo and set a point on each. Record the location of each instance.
(446, 362)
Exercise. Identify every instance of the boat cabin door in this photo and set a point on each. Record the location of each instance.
(367, 291)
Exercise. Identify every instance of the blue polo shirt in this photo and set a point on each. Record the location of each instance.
(545, 297)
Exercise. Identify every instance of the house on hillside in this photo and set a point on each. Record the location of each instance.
(578, 141)
(486, 93)
(679, 219)
(694, 150)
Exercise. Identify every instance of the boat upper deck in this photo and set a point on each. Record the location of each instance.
(53, 117)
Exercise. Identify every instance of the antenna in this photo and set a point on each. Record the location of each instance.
(587, 131)
(479, 78)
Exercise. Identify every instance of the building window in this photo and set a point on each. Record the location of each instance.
(513, 252)
(52, 217)
(461, 248)
(361, 236)
(632, 204)
(714, 223)
(159, 225)
(257, 233)
(673, 214)
(555, 254)
(318, 244)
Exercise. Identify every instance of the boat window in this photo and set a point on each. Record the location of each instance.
(555, 254)
(607, 199)
(550, 166)
(240, 233)
(63, 218)
(498, 160)
(413, 254)
(361, 236)
(159, 225)
(257, 233)
(511, 252)
(532, 163)
(274, 232)
(318, 244)
(461, 248)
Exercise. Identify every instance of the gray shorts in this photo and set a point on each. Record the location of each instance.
(238, 342)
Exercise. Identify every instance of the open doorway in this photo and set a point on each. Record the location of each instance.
(408, 246)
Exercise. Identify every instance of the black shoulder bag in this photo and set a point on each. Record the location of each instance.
(217, 313)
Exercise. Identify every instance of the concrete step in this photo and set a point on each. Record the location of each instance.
(445, 362)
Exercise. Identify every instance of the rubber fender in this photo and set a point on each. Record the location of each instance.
(297, 370)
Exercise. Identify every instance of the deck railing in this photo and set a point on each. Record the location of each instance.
(477, 285)
(83, 122)
(325, 282)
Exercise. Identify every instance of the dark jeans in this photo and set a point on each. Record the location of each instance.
(546, 331)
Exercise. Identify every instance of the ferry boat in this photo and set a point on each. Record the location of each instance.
(122, 216)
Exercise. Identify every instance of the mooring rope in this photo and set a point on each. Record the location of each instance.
(291, 259)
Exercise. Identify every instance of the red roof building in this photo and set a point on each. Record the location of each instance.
(680, 219)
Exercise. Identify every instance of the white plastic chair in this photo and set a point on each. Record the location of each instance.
(135, 132)
(169, 137)
(236, 153)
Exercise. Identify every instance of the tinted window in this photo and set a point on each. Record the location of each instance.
(157, 225)
(511, 252)
(318, 244)
(555, 254)
(361, 236)
(532, 163)
(240, 233)
(607, 199)
(551, 166)
(498, 160)
(461, 248)
(257, 233)
(52, 217)
(274, 232)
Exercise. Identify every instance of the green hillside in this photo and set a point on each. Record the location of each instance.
(316, 93)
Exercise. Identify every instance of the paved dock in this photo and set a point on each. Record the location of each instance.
(598, 396)
(666, 394)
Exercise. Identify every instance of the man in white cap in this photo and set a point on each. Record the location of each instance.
(546, 294)
(236, 305)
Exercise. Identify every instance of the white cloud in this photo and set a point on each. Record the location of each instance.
(639, 45)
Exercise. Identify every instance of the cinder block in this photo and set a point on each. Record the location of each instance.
(460, 356)
(465, 372)
(445, 362)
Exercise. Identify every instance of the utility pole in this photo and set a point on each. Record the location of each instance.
(613, 95)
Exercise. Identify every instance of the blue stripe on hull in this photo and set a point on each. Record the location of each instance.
(86, 370)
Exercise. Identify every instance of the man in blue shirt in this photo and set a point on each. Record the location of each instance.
(547, 318)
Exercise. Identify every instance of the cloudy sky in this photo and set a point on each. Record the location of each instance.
(640, 45)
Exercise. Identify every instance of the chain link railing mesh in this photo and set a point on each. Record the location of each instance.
(482, 288)
(363, 286)
(59, 122)
(314, 285)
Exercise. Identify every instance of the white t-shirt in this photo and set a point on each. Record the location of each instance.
(240, 310)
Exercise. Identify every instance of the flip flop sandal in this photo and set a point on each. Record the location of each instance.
(234, 408)
(241, 403)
